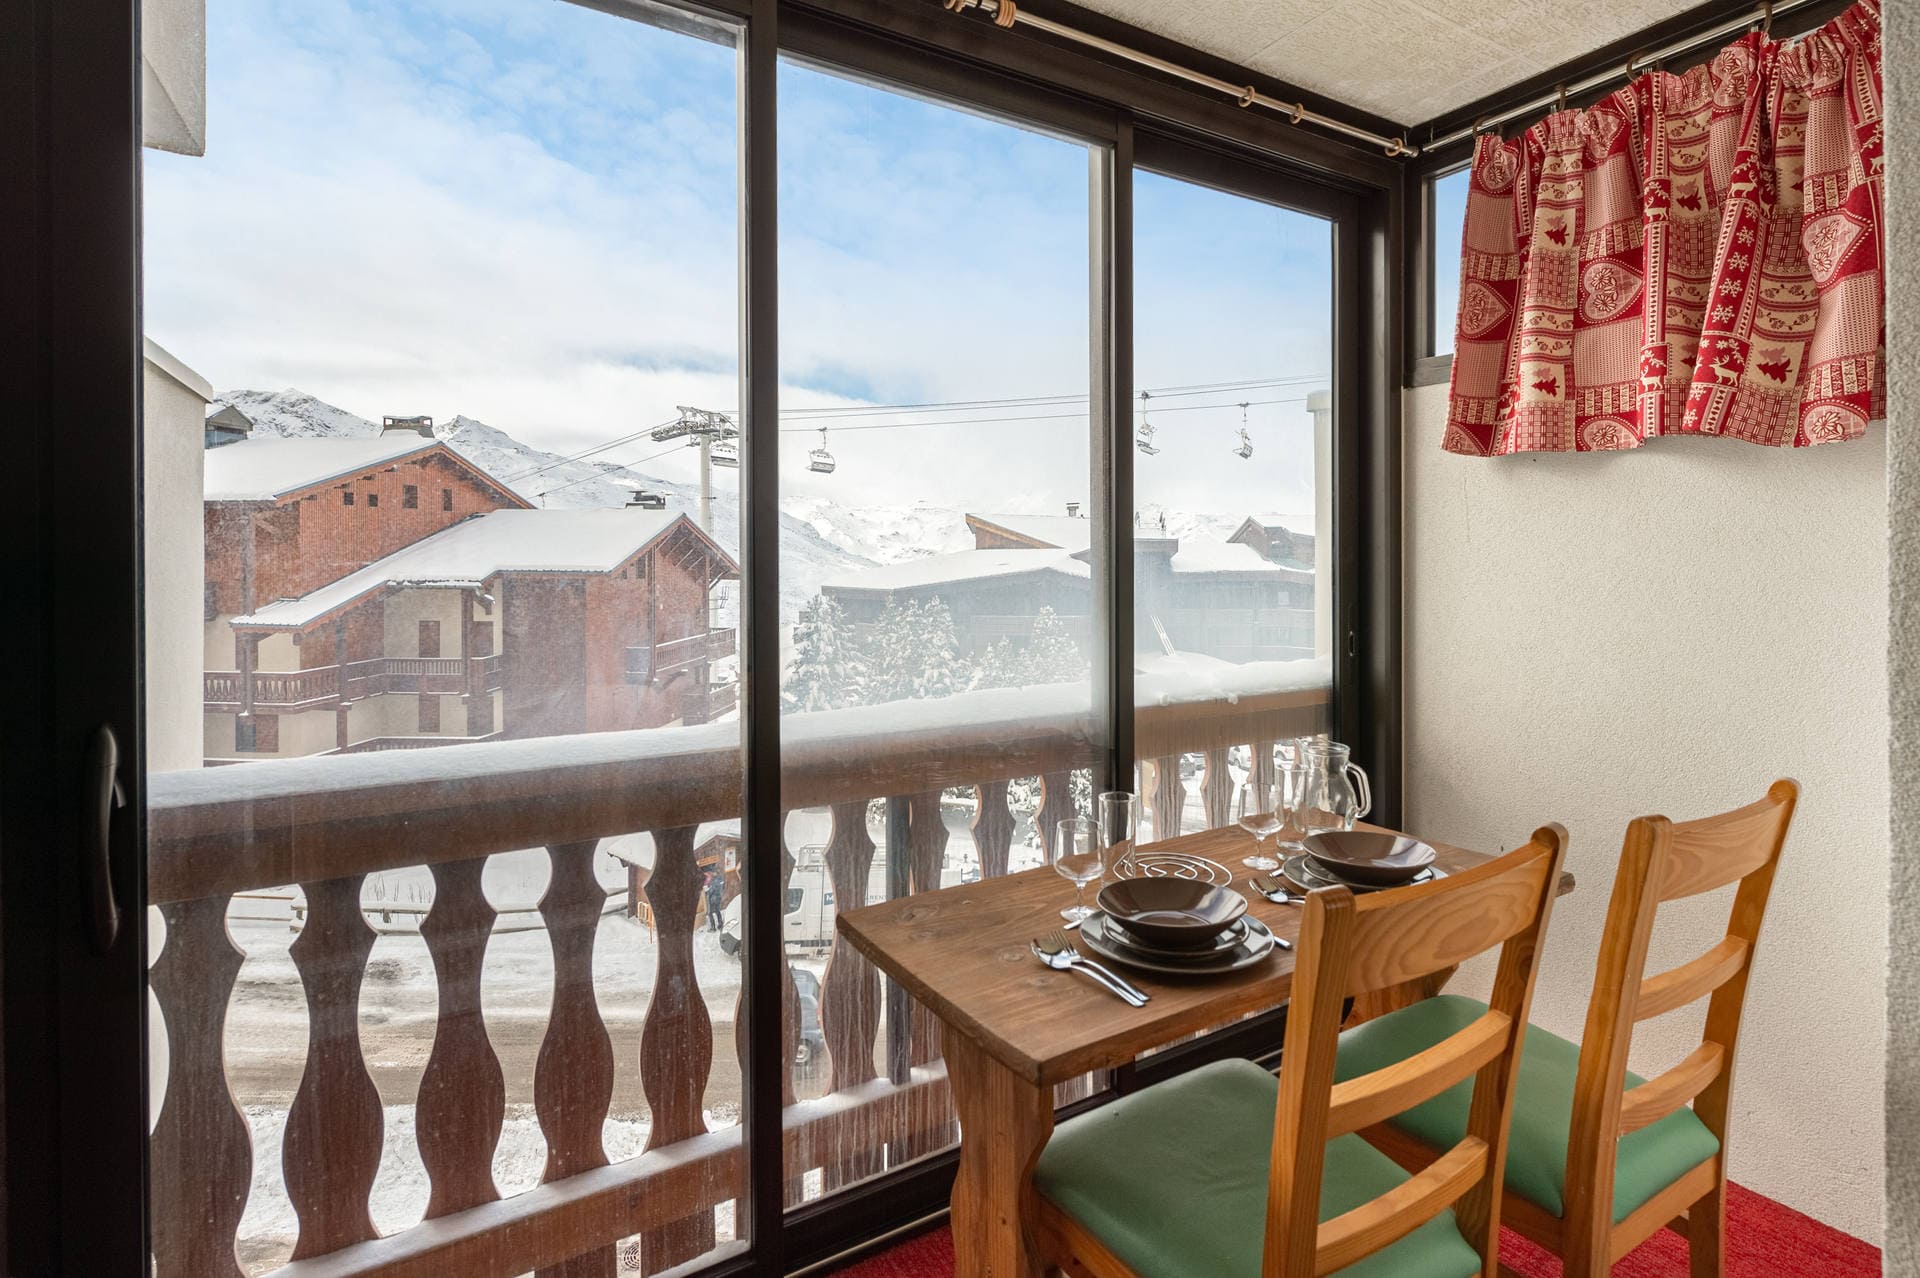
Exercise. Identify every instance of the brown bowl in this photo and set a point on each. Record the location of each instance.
(1176, 913)
(1370, 857)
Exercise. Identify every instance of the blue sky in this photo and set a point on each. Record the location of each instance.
(525, 211)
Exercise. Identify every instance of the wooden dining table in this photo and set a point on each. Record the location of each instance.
(1012, 1029)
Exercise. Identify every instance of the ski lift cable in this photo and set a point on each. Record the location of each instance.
(1037, 417)
(585, 453)
(1022, 401)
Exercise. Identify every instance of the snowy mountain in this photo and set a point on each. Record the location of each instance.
(885, 534)
(546, 479)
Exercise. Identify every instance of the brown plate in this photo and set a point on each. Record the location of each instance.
(1308, 875)
(1368, 856)
(1254, 945)
(1176, 914)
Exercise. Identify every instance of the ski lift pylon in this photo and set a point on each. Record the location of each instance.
(820, 460)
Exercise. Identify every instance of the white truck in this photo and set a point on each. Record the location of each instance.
(808, 922)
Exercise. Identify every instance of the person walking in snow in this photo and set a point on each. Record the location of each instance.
(716, 898)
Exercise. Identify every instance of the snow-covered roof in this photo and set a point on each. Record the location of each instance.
(960, 565)
(1203, 554)
(470, 552)
(263, 469)
(1068, 532)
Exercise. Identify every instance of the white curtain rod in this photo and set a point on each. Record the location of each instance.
(1007, 13)
(1639, 62)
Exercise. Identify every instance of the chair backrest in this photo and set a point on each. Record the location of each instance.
(1661, 861)
(1350, 947)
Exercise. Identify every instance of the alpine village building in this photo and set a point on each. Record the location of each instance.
(382, 592)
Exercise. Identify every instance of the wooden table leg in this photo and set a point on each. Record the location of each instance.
(1004, 1124)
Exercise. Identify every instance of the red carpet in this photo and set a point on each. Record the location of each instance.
(1764, 1240)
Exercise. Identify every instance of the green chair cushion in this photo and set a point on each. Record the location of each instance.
(1173, 1179)
(1649, 1160)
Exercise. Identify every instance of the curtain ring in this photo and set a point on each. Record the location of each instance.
(1560, 98)
(1004, 15)
(1397, 147)
(1299, 111)
(1246, 96)
(1766, 17)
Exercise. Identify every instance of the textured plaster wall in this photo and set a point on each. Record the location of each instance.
(1592, 638)
(1902, 34)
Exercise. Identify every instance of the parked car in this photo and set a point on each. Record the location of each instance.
(813, 1041)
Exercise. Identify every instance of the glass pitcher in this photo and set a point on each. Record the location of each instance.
(1334, 793)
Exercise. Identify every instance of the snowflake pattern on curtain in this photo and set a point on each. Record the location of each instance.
(1694, 254)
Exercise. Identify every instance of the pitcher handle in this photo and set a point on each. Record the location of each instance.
(1366, 791)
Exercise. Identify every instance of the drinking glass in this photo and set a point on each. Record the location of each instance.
(1257, 812)
(1119, 812)
(1290, 779)
(1077, 855)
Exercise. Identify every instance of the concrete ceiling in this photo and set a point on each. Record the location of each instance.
(1406, 60)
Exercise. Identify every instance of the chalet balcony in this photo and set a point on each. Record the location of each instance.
(649, 662)
(222, 841)
(284, 691)
(704, 705)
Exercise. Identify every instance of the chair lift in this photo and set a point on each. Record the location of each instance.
(725, 453)
(1245, 450)
(820, 459)
(1143, 438)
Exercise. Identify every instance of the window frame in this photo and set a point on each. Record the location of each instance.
(77, 1115)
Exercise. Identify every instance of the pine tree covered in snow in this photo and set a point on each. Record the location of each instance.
(1000, 666)
(894, 654)
(827, 671)
(1052, 656)
(942, 671)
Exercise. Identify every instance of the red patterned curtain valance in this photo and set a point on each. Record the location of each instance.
(1695, 254)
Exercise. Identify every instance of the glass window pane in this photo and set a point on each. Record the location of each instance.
(1449, 221)
(1233, 536)
(936, 564)
(441, 650)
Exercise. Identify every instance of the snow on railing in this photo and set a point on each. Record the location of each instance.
(326, 823)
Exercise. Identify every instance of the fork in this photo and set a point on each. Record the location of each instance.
(1274, 890)
(1063, 961)
(1060, 943)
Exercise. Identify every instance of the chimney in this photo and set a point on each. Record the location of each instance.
(1073, 510)
(421, 426)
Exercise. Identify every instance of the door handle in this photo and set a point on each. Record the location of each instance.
(103, 794)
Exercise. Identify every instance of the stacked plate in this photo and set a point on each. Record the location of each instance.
(1364, 860)
(1177, 927)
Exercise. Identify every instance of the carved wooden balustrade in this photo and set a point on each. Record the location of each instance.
(326, 823)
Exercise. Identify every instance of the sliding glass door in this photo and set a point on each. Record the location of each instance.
(442, 537)
(941, 714)
(1234, 417)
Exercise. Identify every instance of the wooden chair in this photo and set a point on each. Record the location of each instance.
(1230, 1173)
(1600, 1159)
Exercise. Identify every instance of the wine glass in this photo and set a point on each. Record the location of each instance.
(1119, 829)
(1078, 856)
(1258, 813)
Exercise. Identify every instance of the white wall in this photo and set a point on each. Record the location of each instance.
(1591, 638)
(1902, 33)
(173, 434)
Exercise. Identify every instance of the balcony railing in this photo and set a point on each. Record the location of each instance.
(289, 690)
(704, 705)
(326, 823)
(671, 656)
